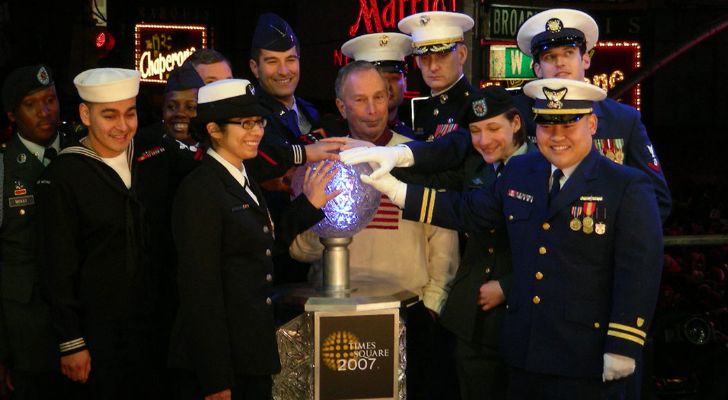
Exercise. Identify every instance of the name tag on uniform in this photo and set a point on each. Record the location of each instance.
(21, 201)
(240, 208)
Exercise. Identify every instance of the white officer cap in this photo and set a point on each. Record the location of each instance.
(227, 98)
(435, 31)
(105, 85)
(555, 28)
(560, 101)
(385, 50)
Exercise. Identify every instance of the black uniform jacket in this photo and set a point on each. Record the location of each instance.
(224, 240)
(574, 295)
(26, 337)
(620, 128)
(103, 245)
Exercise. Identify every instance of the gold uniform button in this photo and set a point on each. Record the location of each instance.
(510, 217)
(596, 325)
(491, 250)
(542, 250)
(22, 211)
(269, 277)
(539, 276)
(268, 301)
(487, 270)
(536, 299)
(266, 229)
(546, 226)
(267, 252)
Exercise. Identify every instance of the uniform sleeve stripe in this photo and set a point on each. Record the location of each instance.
(433, 195)
(626, 336)
(425, 198)
(629, 329)
(72, 344)
(297, 154)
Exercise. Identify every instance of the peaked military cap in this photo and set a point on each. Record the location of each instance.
(555, 28)
(386, 50)
(488, 103)
(561, 101)
(24, 81)
(183, 78)
(436, 31)
(273, 33)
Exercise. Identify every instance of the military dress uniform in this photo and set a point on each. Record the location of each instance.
(573, 296)
(622, 138)
(104, 265)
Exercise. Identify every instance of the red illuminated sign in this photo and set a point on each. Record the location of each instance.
(158, 48)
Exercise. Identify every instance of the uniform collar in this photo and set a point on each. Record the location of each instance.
(433, 94)
(240, 175)
(38, 150)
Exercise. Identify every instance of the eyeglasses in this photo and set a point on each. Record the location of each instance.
(249, 124)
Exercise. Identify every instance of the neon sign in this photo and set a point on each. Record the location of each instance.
(158, 49)
(392, 12)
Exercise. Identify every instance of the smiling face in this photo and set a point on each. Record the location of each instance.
(493, 137)
(233, 142)
(565, 62)
(111, 126)
(278, 73)
(36, 117)
(180, 106)
(442, 70)
(564, 145)
(364, 104)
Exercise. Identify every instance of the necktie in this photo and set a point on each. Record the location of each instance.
(291, 120)
(499, 168)
(48, 155)
(555, 184)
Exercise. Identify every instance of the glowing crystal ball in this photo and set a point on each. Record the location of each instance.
(350, 211)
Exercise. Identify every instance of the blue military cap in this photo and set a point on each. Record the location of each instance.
(273, 33)
(24, 81)
(183, 78)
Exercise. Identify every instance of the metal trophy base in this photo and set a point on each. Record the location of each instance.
(297, 337)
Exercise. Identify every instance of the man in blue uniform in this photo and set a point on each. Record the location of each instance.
(388, 52)
(586, 241)
(559, 41)
(29, 362)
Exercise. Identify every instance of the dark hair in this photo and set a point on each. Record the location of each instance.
(206, 56)
(352, 67)
(519, 136)
(255, 53)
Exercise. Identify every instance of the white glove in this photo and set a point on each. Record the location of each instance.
(617, 366)
(385, 157)
(394, 189)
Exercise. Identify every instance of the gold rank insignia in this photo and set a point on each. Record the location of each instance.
(640, 322)
(443, 98)
(554, 97)
(554, 25)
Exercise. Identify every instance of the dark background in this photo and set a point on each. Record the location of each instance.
(684, 107)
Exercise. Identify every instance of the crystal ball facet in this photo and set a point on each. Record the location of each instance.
(350, 211)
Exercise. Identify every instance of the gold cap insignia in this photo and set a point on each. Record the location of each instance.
(554, 97)
(424, 20)
(554, 25)
(383, 41)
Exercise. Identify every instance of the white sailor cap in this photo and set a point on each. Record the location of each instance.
(435, 31)
(105, 85)
(557, 27)
(386, 50)
(561, 101)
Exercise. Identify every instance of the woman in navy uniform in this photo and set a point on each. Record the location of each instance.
(223, 343)
(586, 243)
